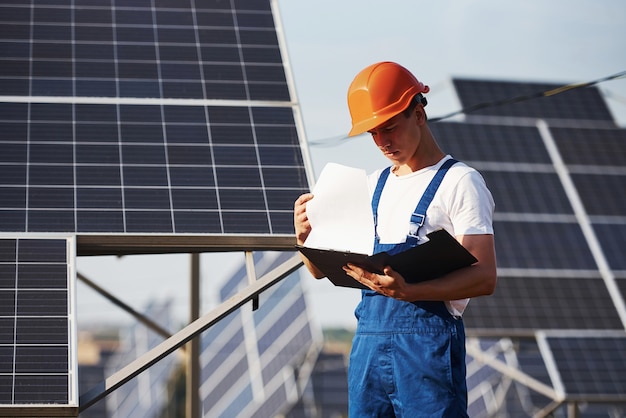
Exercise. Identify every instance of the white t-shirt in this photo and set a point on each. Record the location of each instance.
(462, 206)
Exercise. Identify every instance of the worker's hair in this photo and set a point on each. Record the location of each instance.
(417, 99)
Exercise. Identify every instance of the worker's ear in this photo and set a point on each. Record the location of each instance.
(420, 115)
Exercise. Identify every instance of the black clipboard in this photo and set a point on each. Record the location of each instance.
(440, 255)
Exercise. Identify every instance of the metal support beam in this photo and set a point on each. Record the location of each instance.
(251, 273)
(186, 334)
(193, 347)
(572, 410)
(475, 351)
(548, 409)
(137, 315)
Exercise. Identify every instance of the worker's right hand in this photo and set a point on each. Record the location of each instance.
(300, 219)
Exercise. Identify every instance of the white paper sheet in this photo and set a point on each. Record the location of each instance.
(340, 212)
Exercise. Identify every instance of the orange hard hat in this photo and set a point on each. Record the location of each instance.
(378, 93)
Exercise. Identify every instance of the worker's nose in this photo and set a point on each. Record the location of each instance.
(382, 140)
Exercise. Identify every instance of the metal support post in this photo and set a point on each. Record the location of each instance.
(193, 347)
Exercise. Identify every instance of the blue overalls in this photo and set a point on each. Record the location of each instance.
(407, 359)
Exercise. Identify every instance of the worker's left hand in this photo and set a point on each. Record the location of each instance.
(390, 283)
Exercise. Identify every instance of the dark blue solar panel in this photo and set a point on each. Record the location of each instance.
(143, 50)
(597, 192)
(475, 142)
(548, 276)
(147, 167)
(35, 322)
(576, 104)
(604, 147)
(527, 192)
(149, 183)
(594, 365)
(530, 303)
(535, 226)
(539, 245)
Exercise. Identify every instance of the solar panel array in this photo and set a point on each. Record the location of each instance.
(556, 168)
(559, 215)
(146, 117)
(37, 324)
(251, 360)
(146, 126)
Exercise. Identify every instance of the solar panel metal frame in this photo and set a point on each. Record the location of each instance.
(49, 409)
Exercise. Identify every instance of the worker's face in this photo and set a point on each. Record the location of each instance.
(399, 137)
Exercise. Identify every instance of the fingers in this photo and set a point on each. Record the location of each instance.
(369, 279)
(302, 199)
(299, 207)
(300, 219)
(388, 284)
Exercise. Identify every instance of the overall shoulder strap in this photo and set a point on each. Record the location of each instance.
(382, 179)
(419, 214)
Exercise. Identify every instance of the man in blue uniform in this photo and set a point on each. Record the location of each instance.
(408, 353)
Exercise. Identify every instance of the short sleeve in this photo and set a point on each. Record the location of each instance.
(471, 206)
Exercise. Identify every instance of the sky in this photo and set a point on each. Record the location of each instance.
(327, 44)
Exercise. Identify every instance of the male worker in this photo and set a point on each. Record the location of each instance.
(408, 353)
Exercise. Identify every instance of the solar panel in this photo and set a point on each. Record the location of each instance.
(597, 190)
(37, 325)
(250, 359)
(133, 118)
(588, 364)
(542, 245)
(601, 147)
(560, 227)
(491, 143)
(526, 303)
(574, 104)
(548, 260)
(533, 192)
(555, 166)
